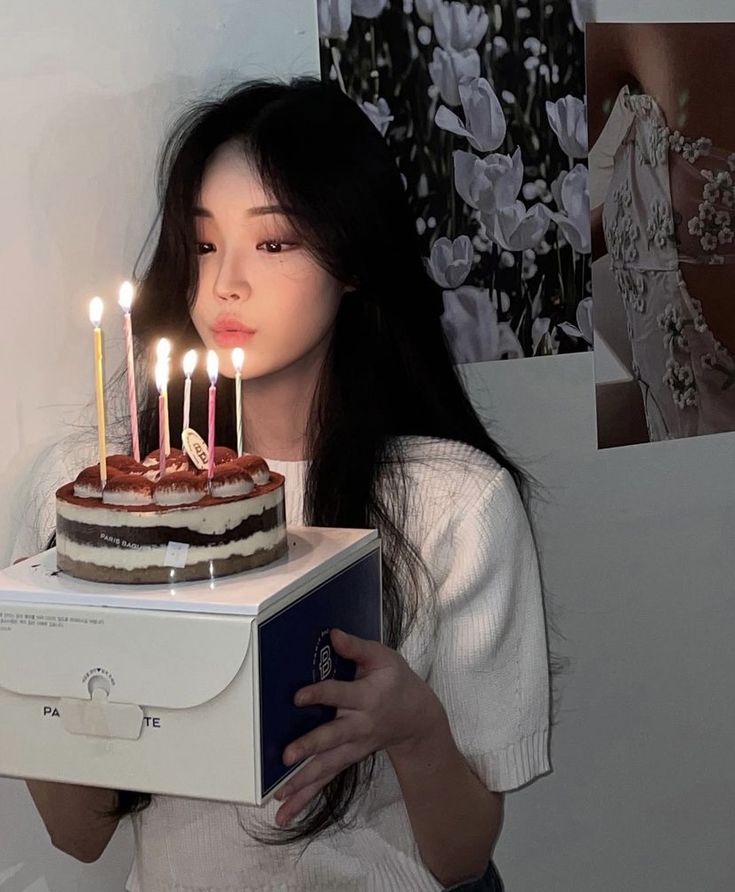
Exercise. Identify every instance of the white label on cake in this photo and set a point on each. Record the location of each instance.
(195, 448)
(176, 553)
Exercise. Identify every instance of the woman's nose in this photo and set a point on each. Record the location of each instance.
(231, 283)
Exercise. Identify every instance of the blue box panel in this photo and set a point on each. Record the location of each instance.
(295, 651)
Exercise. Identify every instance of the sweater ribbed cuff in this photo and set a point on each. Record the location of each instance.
(516, 765)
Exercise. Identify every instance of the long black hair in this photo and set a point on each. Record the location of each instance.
(388, 372)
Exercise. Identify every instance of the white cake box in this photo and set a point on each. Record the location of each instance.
(184, 690)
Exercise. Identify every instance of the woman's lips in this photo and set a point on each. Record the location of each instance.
(231, 337)
(231, 333)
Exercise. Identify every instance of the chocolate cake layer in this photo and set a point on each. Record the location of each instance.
(127, 536)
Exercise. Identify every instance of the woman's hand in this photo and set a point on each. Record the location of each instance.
(387, 706)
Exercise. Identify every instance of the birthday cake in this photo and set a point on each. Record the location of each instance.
(145, 526)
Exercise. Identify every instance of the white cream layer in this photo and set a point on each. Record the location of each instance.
(125, 497)
(154, 556)
(223, 489)
(209, 519)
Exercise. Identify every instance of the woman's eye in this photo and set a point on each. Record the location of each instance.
(204, 247)
(275, 246)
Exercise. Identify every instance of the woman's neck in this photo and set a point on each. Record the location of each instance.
(276, 412)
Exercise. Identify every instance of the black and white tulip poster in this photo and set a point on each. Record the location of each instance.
(482, 105)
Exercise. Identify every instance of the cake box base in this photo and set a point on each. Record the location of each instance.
(186, 689)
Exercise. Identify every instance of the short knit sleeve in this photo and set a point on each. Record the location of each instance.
(490, 670)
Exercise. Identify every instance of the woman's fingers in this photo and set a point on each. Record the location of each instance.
(342, 694)
(302, 788)
(356, 727)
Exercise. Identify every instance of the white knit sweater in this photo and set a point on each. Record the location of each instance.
(483, 651)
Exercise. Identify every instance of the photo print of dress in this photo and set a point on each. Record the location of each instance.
(661, 101)
(482, 106)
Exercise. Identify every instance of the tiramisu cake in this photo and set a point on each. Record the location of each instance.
(148, 527)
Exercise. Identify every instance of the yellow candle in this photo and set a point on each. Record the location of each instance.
(95, 317)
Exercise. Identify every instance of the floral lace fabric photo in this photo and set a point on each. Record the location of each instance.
(671, 202)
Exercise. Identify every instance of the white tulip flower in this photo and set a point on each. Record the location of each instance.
(490, 183)
(368, 9)
(450, 261)
(568, 119)
(517, 228)
(471, 325)
(448, 68)
(335, 18)
(378, 113)
(485, 122)
(425, 10)
(459, 28)
(574, 218)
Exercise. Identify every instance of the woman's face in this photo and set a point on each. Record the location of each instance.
(259, 289)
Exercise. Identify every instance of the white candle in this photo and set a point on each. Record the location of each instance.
(125, 300)
(212, 370)
(190, 363)
(95, 317)
(163, 355)
(238, 357)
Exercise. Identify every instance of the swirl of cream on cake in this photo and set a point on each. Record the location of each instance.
(128, 489)
(180, 488)
(255, 466)
(224, 454)
(88, 484)
(228, 481)
(126, 464)
(176, 462)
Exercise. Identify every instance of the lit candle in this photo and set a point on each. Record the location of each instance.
(125, 300)
(162, 385)
(212, 369)
(238, 357)
(190, 363)
(163, 355)
(95, 317)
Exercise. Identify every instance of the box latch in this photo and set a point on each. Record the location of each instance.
(98, 717)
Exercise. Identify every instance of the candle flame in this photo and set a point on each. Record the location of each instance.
(190, 363)
(161, 375)
(95, 311)
(125, 296)
(163, 349)
(238, 358)
(212, 366)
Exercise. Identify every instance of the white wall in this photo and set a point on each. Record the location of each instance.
(636, 542)
(639, 562)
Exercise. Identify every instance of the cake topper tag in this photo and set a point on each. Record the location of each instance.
(195, 448)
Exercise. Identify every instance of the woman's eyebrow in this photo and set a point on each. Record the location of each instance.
(251, 212)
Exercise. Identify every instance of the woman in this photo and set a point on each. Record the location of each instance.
(285, 230)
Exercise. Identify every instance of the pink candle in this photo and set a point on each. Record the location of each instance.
(163, 355)
(161, 383)
(212, 369)
(125, 300)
